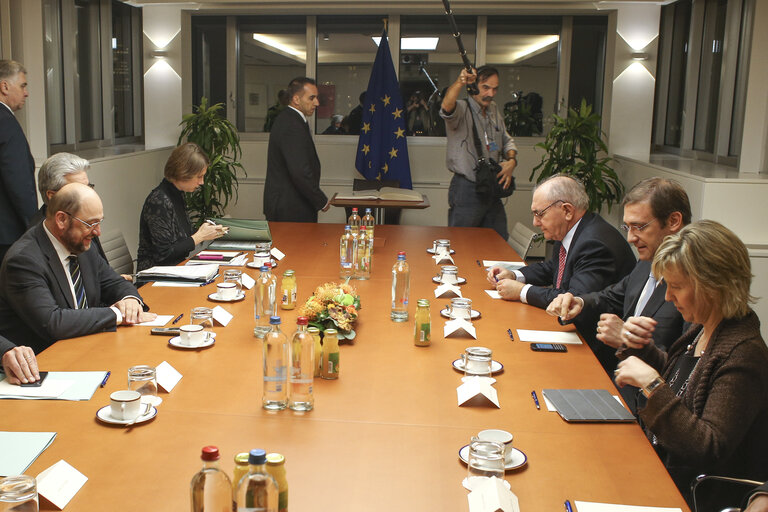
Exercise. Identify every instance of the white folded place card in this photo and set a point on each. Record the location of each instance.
(248, 281)
(221, 315)
(442, 258)
(494, 294)
(167, 376)
(548, 336)
(59, 483)
(492, 495)
(472, 387)
(459, 326)
(447, 290)
(277, 253)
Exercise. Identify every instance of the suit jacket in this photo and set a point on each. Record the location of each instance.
(36, 305)
(292, 188)
(39, 217)
(18, 198)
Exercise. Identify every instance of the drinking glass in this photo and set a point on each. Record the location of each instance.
(460, 307)
(143, 378)
(477, 361)
(449, 274)
(234, 276)
(485, 459)
(18, 494)
(441, 242)
(203, 316)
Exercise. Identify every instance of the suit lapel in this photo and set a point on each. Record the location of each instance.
(54, 264)
(656, 301)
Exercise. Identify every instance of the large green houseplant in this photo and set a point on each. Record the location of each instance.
(221, 142)
(574, 146)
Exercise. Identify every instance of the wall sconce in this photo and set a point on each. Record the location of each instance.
(159, 54)
(639, 56)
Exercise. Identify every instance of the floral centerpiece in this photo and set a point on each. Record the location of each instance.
(333, 306)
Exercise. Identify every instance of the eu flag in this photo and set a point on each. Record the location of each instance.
(382, 151)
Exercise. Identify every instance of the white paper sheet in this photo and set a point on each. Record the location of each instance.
(175, 284)
(586, 506)
(160, 321)
(494, 294)
(570, 338)
(511, 265)
(21, 449)
(79, 386)
(50, 388)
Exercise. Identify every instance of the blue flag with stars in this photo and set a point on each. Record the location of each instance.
(382, 150)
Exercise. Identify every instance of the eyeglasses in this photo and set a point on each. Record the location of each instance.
(627, 228)
(90, 225)
(540, 213)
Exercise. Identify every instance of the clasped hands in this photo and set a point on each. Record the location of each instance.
(505, 282)
(132, 311)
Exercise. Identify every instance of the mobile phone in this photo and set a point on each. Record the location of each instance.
(165, 331)
(549, 347)
(37, 384)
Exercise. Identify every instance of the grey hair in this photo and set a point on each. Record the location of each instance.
(52, 174)
(9, 69)
(565, 188)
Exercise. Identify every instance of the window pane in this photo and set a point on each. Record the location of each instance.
(709, 75)
(209, 59)
(525, 51)
(677, 76)
(740, 89)
(54, 79)
(588, 61)
(345, 55)
(122, 68)
(442, 64)
(88, 56)
(267, 62)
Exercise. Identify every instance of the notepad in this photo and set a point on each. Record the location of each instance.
(586, 506)
(587, 405)
(76, 386)
(21, 449)
(570, 338)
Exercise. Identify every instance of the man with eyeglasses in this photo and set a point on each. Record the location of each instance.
(53, 284)
(653, 209)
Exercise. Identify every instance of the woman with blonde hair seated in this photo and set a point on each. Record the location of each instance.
(707, 397)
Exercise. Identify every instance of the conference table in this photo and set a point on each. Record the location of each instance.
(384, 436)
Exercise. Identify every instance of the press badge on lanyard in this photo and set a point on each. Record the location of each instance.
(491, 146)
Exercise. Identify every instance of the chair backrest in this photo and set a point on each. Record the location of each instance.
(118, 255)
(521, 239)
(738, 486)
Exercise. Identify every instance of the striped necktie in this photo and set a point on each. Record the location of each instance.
(561, 266)
(77, 282)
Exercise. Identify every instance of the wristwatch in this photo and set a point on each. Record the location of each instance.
(650, 388)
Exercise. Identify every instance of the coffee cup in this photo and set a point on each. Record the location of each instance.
(126, 405)
(260, 258)
(501, 437)
(192, 335)
(227, 290)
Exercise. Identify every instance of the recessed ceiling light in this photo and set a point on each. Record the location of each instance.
(415, 43)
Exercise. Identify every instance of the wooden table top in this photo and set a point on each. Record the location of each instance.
(388, 428)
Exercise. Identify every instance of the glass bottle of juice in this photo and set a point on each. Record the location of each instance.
(330, 354)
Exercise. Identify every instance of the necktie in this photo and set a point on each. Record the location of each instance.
(645, 296)
(561, 266)
(77, 282)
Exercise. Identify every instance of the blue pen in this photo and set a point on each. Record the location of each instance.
(509, 332)
(177, 318)
(106, 378)
(568, 506)
(535, 399)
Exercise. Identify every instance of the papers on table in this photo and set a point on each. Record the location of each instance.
(226, 258)
(177, 284)
(160, 321)
(59, 483)
(586, 506)
(232, 245)
(509, 265)
(58, 385)
(494, 294)
(548, 337)
(196, 273)
(20, 449)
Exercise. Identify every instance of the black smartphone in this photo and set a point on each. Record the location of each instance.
(165, 331)
(549, 347)
(37, 384)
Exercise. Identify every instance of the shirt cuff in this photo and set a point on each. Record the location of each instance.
(519, 277)
(117, 314)
(524, 293)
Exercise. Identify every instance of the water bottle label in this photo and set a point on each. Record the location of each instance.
(270, 378)
(300, 381)
(344, 264)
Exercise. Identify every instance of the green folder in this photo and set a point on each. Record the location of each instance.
(245, 229)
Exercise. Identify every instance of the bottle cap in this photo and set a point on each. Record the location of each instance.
(422, 302)
(274, 320)
(289, 273)
(401, 253)
(362, 228)
(330, 331)
(264, 268)
(257, 457)
(367, 210)
(347, 227)
(275, 459)
(268, 265)
(210, 453)
(302, 320)
(241, 458)
(354, 210)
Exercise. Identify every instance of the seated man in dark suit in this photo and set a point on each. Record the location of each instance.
(653, 209)
(589, 254)
(53, 284)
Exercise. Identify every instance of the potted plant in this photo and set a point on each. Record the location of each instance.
(221, 142)
(574, 146)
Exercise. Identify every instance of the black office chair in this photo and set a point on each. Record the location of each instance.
(738, 487)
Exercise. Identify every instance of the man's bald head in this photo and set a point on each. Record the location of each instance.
(71, 198)
(74, 216)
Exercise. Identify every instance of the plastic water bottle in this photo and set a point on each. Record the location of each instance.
(276, 360)
(264, 301)
(401, 281)
(258, 489)
(347, 253)
(210, 487)
(354, 221)
(302, 368)
(363, 259)
(369, 222)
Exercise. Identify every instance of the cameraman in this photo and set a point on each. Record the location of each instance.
(465, 207)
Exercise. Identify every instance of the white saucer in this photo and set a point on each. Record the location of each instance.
(432, 251)
(496, 366)
(176, 342)
(518, 459)
(251, 264)
(104, 414)
(215, 297)
(474, 314)
(459, 280)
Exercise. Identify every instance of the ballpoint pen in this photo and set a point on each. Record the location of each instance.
(106, 378)
(176, 320)
(535, 399)
(568, 506)
(511, 337)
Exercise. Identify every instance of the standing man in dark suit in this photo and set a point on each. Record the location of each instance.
(292, 189)
(17, 167)
(53, 284)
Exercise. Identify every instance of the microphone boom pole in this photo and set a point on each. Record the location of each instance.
(471, 88)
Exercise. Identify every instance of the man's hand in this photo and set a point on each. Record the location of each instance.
(509, 289)
(496, 274)
(20, 366)
(638, 331)
(565, 306)
(326, 207)
(130, 308)
(635, 372)
(758, 504)
(609, 330)
(505, 174)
